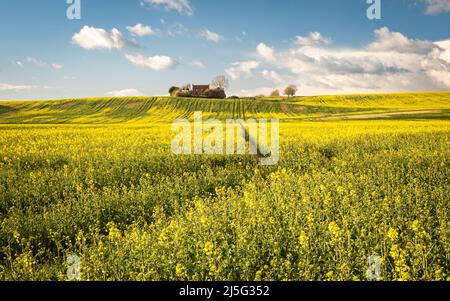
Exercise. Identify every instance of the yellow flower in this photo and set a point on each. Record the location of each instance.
(415, 226)
(401, 268)
(114, 233)
(258, 276)
(334, 230)
(204, 220)
(26, 261)
(392, 234)
(180, 271)
(329, 276)
(163, 236)
(304, 240)
(137, 239)
(213, 270)
(17, 236)
(310, 218)
(208, 249)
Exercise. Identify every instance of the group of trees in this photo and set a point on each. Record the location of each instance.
(216, 89)
(290, 91)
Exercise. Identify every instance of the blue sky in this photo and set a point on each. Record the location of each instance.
(132, 47)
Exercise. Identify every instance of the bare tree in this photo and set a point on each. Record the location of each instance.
(187, 87)
(290, 90)
(220, 82)
(275, 93)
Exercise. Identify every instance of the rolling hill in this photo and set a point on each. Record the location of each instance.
(167, 109)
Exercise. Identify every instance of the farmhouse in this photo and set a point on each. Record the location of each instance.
(199, 90)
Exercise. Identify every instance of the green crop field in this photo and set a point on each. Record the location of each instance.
(166, 109)
(359, 177)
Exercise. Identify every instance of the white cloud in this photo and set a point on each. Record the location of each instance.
(198, 64)
(445, 46)
(68, 77)
(272, 76)
(98, 38)
(313, 39)
(157, 63)
(141, 30)
(35, 61)
(244, 68)
(181, 6)
(211, 36)
(39, 63)
(436, 7)
(266, 52)
(391, 63)
(10, 87)
(126, 92)
(387, 40)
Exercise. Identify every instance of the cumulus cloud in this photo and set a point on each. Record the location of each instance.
(126, 92)
(265, 52)
(181, 6)
(392, 62)
(436, 7)
(57, 66)
(97, 38)
(10, 87)
(141, 30)
(157, 63)
(211, 36)
(445, 46)
(198, 64)
(387, 40)
(313, 39)
(239, 69)
(272, 76)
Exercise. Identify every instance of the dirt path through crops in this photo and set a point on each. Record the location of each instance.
(133, 105)
(380, 115)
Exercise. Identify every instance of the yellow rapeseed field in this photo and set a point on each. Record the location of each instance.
(97, 180)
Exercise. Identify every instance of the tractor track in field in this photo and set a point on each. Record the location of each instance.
(376, 116)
